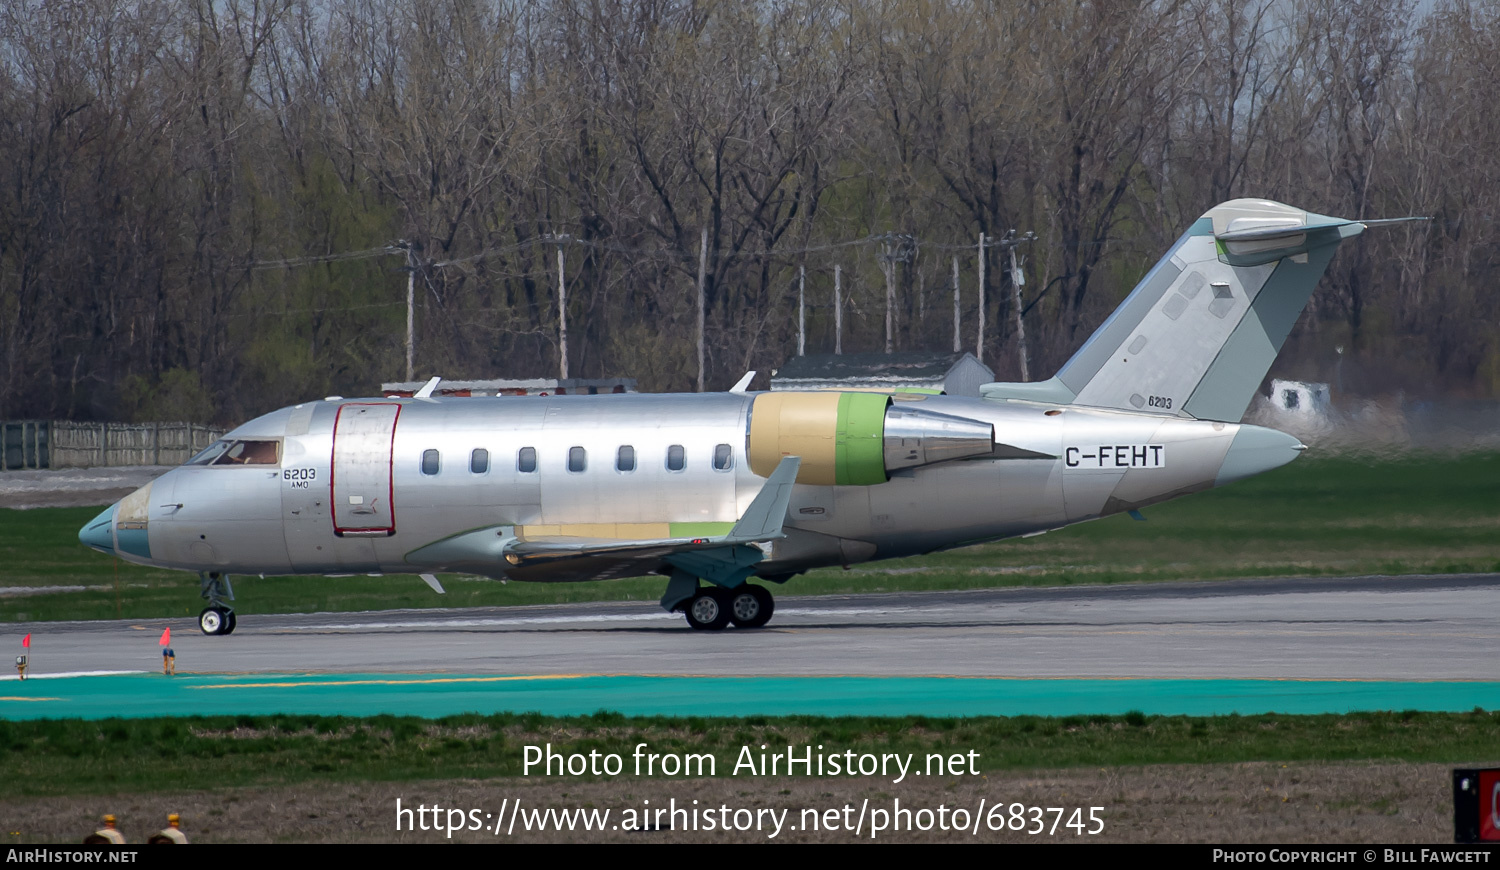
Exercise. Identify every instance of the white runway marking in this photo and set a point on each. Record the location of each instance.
(661, 616)
(57, 676)
(501, 622)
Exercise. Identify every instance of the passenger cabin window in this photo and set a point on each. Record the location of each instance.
(676, 458)
(526, 460)
(479, 461)
(578, 459)
(625, 458)
(723, 458)
(242, 452)
(429, 462)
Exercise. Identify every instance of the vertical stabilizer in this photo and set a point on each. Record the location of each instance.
(1199, 332)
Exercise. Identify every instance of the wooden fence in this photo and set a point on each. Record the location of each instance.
(65, 444)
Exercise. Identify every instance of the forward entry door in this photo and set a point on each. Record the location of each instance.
(362, 488)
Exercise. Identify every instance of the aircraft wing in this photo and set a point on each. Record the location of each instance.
(491, 552)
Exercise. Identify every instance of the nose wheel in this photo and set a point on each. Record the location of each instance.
(216, 620)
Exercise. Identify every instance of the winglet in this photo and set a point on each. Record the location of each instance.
(765, 516)
(743, 383)
(427, 388)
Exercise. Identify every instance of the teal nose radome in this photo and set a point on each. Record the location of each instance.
(96, 533)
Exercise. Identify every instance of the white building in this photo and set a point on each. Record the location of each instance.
(1300, 398)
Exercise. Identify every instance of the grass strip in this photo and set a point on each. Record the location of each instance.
(76, 757)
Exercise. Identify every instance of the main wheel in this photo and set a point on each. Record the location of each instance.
(751, 606)
(708, 610)
(229, 622)
(213, 620)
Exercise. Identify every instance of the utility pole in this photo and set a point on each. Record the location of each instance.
(802, 310)
(890, 297)
(979, 343)
(957, 346)
(898, 248)
(562, 311)
(702, 278)
(838, 311)
(1016, 280)
(411, 302)
(921, 285)
(411, 314)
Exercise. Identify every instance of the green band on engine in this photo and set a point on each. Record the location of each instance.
(859, 451)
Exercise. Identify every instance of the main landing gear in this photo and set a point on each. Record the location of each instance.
(713, 607)
(217, 617)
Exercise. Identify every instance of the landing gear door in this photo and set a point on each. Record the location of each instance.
(362, 490)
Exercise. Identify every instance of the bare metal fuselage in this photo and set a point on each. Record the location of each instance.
(1052, 465)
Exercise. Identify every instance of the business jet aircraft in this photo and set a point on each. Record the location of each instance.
(723, 487)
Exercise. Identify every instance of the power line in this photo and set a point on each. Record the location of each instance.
(315, 259)
(908, 240)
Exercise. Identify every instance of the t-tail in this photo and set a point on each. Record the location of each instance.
(1199, 332)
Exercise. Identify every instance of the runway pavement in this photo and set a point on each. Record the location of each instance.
(1415, 628)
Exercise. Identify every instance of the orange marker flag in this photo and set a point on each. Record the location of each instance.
(166, 638)
(26, 642)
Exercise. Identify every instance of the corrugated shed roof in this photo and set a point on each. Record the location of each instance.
(913, 365)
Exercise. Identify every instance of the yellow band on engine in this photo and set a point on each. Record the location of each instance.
(796, 424)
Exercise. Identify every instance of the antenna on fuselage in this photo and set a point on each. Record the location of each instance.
(427, 388)
(743, 383)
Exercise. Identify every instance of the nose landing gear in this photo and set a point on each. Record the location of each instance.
(217, 618)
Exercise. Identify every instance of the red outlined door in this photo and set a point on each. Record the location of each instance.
(362, 489)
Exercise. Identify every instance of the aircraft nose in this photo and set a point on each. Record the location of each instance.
(1256, 449)
(96, 533)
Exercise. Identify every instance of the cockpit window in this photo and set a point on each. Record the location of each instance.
(243, 452)
(208, 454)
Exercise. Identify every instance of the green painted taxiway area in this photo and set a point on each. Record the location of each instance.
(435, 695)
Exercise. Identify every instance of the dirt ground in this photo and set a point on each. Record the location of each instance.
(1242, 803)
(74, 487)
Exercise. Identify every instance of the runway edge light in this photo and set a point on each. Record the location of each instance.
(1476, 805)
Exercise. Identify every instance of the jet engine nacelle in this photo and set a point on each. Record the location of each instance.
(856, 439)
